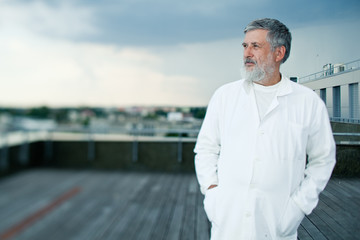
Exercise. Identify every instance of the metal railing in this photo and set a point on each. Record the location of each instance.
(332, 71)
(345, 120)
(24, 138)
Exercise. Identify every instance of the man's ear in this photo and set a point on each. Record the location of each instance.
(280, 53)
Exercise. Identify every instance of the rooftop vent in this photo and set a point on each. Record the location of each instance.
(339, 67)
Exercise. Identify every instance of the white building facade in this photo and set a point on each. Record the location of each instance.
(338, 86)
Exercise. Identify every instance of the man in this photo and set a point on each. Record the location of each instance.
(251, 150)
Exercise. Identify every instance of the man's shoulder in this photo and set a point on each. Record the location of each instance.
(302, 90)
(303, 95)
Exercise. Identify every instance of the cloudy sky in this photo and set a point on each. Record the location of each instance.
(154, 52)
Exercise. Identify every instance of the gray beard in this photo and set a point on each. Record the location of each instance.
(256, 75)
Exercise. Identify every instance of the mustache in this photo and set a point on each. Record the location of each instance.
(248, 60)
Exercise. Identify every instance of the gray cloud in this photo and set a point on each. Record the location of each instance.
(161, 22)
(153, 52)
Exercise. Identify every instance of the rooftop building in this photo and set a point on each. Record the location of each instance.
(338, 86)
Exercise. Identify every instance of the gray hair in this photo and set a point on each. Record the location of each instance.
(278, 35)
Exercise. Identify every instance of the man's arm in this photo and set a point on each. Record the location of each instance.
(321, 160)
(207, 147)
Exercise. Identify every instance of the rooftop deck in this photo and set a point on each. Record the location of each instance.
(64, 204)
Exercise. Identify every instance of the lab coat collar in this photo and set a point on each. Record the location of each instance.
(284, 87)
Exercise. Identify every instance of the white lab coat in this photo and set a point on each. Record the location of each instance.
(265, 185)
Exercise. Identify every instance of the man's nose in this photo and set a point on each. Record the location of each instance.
(248, 52)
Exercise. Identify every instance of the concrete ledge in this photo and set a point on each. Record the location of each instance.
(348, 160)
(170, 155)
(339, 127)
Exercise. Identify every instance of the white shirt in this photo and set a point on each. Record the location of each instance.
(264, 96)
(264, 185)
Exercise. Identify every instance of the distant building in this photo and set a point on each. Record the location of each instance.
(175, 116)
(338, 86)
(5, 121)
(31, 124)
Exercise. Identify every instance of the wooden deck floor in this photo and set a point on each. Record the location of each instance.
(86, 205)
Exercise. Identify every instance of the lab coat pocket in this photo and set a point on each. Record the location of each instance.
(210, 203)
(291, 219)
(296, 140)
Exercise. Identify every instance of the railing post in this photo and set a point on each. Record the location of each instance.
(180, 147)
(4, 164)
(135, 147)
(91, 147)
(24, 150)
(48, 153)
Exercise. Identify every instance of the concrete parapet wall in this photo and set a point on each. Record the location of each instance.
(143, 156)
(159, 156)
(348, 160)
(339, 127)
(18, 157)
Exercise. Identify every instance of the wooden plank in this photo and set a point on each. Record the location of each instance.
(331, 222)
(161, 228)
(345, 204)
(176, 221)
(118, 202)
(54, 221)
(100, 195)
(127, 217)
(43, 192)
(128, 205)
(188, 224)
(312, 229)
(343, 219)
(146, 209)
(122, 202)
(322, 226)
(153, 208)
(344, 193)
(31, 219)
(202, 224)
(350, 185)
(303, 234)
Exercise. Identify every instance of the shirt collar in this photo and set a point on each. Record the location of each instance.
(284, 87)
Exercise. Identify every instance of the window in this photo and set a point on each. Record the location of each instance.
(336, 102)
(354, 100)
(323, 94)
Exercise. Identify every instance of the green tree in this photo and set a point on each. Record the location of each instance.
(39, 112)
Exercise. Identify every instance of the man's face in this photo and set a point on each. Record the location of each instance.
(259, 60)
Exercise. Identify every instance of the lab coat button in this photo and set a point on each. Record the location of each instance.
(248, 214)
